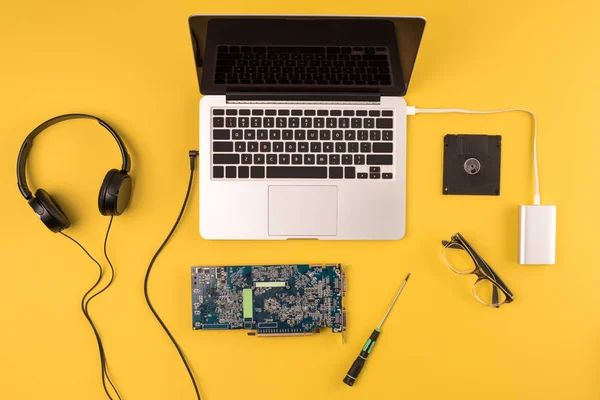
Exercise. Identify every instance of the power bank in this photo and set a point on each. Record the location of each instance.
(537, 234)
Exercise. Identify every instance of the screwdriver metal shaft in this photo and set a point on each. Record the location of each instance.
(358, 364)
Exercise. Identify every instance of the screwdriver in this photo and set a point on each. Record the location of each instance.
(358, 364)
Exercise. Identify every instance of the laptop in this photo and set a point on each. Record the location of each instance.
(303, 125)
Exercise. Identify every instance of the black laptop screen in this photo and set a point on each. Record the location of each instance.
(305, 53)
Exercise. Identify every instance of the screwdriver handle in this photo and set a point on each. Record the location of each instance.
(358, 364)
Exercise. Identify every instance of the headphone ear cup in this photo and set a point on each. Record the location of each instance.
(49, 211)
(115, 193)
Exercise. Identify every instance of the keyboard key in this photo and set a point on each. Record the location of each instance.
(379, 159)
(244, 112)
(363, 135)
(252, 147)
(231, 111)
(349, 172)
(218, 112)
(359, 159)
(255, 122)
(246, 158)
(348, 113)
(265, 147)
(221, 134)
(218, 172)
(336, 172)
(309, 159)
(370, 123)
(341, 147)
(218, 122)
(297, 172)
(275, 134)
(230, 172)
(281, 122)
(363, 175)
(290, 147)
(347, 159)
(375, 135)
(250, 134)
(278, 147)
(296, 112)
(361, 113)
(262, 134)
(373, 170)
(334, 159)
(313, 135)
(272, 159)
(269, 122)
(226, 158)
(303, 147)
(382, 147)
(328, 147)
(309, 113)
(259, 159)
(387, 175)
(331, 122)
(319, 122)
(335, 113)
(257, 172)
(388, 135)
(243, 172)
(284, 159)
(373, 113)
(244, 122)
(237, 134)
(240, 147)
(294, 122)
(338, 135)
(315, 147)
(288, 134)
(283, 112)
(270, 112)
(356, 123)
(257, 112)
(385, 123)
(297, 159)
(350, 135)
(353, 147)
(344, 123)
(387, 113)
(231, 122)
(365, 147)
(322, 112)
(374, 176)
(299, 134)
(325, 135)
(306, 122)
(322, 159)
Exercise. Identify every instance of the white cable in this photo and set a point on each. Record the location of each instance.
(536, 196)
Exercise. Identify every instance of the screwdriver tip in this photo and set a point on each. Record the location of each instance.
(407, 276)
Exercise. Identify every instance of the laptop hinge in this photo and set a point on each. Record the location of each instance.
(304, 97)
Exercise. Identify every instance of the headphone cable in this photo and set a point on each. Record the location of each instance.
(84, 308)
(192, 155)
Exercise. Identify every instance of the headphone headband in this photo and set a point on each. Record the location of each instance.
(28, 143)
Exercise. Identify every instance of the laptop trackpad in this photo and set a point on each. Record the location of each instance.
(303, 210)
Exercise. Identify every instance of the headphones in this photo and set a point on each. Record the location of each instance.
(115, 191)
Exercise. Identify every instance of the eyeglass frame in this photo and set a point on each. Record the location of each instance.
(481, 270)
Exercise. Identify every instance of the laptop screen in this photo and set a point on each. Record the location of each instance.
(279, 53)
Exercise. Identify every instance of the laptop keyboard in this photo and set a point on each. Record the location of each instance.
(259, 65)
(302, 143)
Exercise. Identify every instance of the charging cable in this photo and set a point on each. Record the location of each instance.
(536, 196)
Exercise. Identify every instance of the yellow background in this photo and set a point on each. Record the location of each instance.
(131, 63)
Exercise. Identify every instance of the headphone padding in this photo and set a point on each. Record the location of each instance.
(49, 211)
(115, 193)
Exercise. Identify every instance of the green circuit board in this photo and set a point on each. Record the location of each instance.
(277, 300)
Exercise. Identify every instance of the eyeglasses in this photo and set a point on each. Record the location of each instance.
(461, 258)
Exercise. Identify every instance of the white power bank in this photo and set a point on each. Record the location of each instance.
(537, 235)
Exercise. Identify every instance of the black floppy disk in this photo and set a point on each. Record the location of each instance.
(472, 164)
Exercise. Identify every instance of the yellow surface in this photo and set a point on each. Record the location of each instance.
(132, 64)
